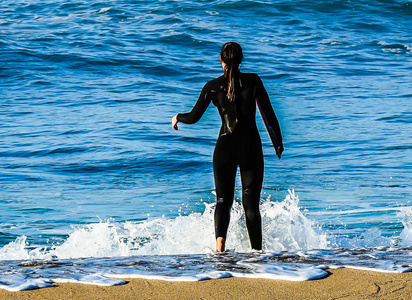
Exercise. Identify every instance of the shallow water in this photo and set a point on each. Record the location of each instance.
(91, 168)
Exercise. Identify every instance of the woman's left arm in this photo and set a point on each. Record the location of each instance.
(263, 97)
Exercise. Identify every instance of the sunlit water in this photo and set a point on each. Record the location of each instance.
(90, 167)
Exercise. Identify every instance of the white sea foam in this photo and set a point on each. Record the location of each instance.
(104, 9)
(212, 13)
(330, 42)
(371, 237)
(197, 277)
(20, 282)
(158, 248)
(285, 228)
(94, 279)
(406, 235)
(291, 265)
(15, 250)
(394, 48)
(274, 271)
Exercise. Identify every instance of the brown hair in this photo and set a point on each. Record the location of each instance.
(231, 54)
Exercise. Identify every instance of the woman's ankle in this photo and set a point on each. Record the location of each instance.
(220, 244)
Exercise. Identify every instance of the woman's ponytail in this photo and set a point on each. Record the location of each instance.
(231, 55)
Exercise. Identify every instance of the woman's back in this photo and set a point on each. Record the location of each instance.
(238, 116)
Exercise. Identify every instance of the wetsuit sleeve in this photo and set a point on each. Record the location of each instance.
(199, 109)
(263, 98)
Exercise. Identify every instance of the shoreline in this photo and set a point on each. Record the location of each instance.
(341, 283)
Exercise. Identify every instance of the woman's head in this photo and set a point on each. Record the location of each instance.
(231, 56)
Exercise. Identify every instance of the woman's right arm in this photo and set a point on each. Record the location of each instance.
(197, 111)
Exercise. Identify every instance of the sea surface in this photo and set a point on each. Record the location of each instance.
(95, 186)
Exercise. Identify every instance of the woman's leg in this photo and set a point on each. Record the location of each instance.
(224, 169)
(251, 172)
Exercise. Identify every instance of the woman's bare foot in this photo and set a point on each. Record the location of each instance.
(220, 244)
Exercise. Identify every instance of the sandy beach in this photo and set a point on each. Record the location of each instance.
(340, 284)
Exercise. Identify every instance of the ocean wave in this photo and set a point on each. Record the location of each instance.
(285, 228)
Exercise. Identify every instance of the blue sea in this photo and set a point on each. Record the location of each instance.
(95, 185)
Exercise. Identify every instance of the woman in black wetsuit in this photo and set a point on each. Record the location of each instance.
(235, 95)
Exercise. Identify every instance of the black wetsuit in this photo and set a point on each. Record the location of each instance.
(238, 144)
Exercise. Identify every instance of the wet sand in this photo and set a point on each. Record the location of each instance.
(340, 284)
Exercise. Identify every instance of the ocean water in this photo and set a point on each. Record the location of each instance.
(95, 186)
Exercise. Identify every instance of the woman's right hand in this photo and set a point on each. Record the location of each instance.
(174, 123)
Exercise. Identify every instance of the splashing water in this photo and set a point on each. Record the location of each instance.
(295, 249)
(284, 226)
(406, 234)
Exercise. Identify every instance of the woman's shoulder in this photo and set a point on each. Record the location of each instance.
(217, 79)
(252, 76)
(215, 82)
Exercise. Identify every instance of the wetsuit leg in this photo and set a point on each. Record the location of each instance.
(224, 169)
(251, 172)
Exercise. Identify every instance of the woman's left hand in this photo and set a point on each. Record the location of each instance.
(174, 123)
